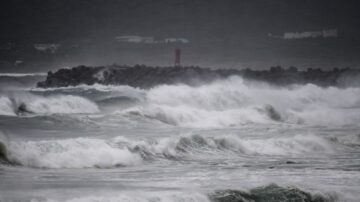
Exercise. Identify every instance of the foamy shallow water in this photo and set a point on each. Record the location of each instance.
(180, 143)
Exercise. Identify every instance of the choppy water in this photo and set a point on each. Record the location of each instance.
(230, 140)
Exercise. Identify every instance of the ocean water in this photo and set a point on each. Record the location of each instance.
(229, 140)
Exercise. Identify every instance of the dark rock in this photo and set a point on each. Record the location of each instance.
(146, 77)
(270, 193)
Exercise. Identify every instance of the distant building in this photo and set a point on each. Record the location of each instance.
(134, 39)
(47, 47)
(148, 40)
(301, 35)
(311, 34)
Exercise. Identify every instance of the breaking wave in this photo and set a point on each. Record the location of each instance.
(84, 87)
(139, 197)
(68, 153)
(96, 92)
(190, 146)
(234, 101)
(22, 74)
(31, 104)
(6, 107)
(121, 151)
(196, 117)
(223, 103)
(115, 97)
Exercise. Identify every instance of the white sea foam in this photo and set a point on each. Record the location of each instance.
(137, 197)
(233, 101)
(121, 151)
(193, 145)
(69, 153)
(197, 117)
(64, 104)
(204, 158)
(98, 87)
(6, 106)
(222, 103)
(22, 74)
(59, 104)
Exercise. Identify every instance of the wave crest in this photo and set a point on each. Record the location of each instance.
(223, 103)
(69, 153)
(121, 151)
(235, 101)
(31, 104)
(193, 146)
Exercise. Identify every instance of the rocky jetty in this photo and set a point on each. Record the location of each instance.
(145, 77)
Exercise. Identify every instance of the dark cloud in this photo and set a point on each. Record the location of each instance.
(231, 33)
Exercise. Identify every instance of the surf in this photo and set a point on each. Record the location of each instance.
(27, 104)
(123, 151)
(67, 153)
(235, 102)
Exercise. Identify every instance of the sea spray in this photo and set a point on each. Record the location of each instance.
(20, 104)
(122, 151)
(6, 106)
(234, 102)
(70, 153)
(223, 103)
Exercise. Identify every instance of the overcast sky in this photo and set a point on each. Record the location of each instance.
(221, 33)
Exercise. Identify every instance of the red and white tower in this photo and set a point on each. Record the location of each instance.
(177, 57)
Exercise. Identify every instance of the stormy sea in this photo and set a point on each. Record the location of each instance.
(224, 141)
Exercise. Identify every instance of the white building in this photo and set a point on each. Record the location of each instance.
(311, 34)
(134, 39)
(148, 40)
(47, 47)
